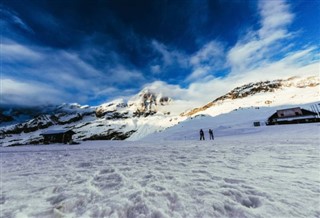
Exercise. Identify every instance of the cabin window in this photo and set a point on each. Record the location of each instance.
(281, 115)
(297, 113)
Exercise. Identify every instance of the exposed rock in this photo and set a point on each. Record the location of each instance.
(40, 122)
(111, 135)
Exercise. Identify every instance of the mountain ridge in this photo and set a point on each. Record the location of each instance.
(148, 112)
(258, 87)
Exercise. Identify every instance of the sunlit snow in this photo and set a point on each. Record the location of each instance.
(267, 171)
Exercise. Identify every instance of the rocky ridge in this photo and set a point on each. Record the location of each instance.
(116, 120)
(255, 88)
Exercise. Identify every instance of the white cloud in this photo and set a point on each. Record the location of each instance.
(258, 45)
(274, 15)
(169, 56)
(174, 91)
(15, 52)
(208, 54)
(198, 73)
(29, 93)
(207, 61)
(65, 71)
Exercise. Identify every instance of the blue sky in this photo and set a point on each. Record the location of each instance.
(94, 51)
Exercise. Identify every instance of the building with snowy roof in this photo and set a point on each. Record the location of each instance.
(57, 136)
(293, 116)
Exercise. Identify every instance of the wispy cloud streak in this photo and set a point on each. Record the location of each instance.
(257, 46)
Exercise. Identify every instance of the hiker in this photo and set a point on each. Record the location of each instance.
(211, 134)
(201, 135)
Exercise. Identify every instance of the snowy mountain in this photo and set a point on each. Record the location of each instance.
(295, 90)
(150, 112)
(144, 104)
(117, 120)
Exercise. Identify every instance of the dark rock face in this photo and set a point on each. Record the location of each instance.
(251, 89)
(143, 114)
(72, 119)
(40, 122)
(111, 110)
(51, 116)
(5, 118)
(22, 114)
(164, 100)
(116, 115)
(111, 135)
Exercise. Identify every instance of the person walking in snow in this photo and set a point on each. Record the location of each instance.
(211, 134)
(201, 135)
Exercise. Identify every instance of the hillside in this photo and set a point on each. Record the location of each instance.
(149, 112)
(295, 90)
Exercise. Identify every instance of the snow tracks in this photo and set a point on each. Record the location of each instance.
(224, 178)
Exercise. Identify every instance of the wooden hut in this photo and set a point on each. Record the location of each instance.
(57, 136)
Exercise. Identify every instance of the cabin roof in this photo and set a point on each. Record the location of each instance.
(304, 113)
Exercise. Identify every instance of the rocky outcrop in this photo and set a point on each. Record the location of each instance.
(111, 134)
(40, 122)
(146, 103)
(112, 109)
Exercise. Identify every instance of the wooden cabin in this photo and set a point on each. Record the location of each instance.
(57, 136)
(293, 116)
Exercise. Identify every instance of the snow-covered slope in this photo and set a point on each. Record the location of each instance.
(295, 90)
(237, 122)
(269, 172)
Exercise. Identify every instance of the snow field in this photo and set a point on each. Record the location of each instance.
(273, 172)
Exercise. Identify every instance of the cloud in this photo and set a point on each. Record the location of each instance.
(258, 45)
(15, 52)
(208, 60)
(202, 92)
(29, 93)
(123, 75)
(169, 56)
(93, 65)
(11, 17)
(73, 79)
(275, 15)
(70, 73)
(265, 54)
(207, 54)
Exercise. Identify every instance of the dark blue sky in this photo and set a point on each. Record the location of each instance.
(92, 51)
